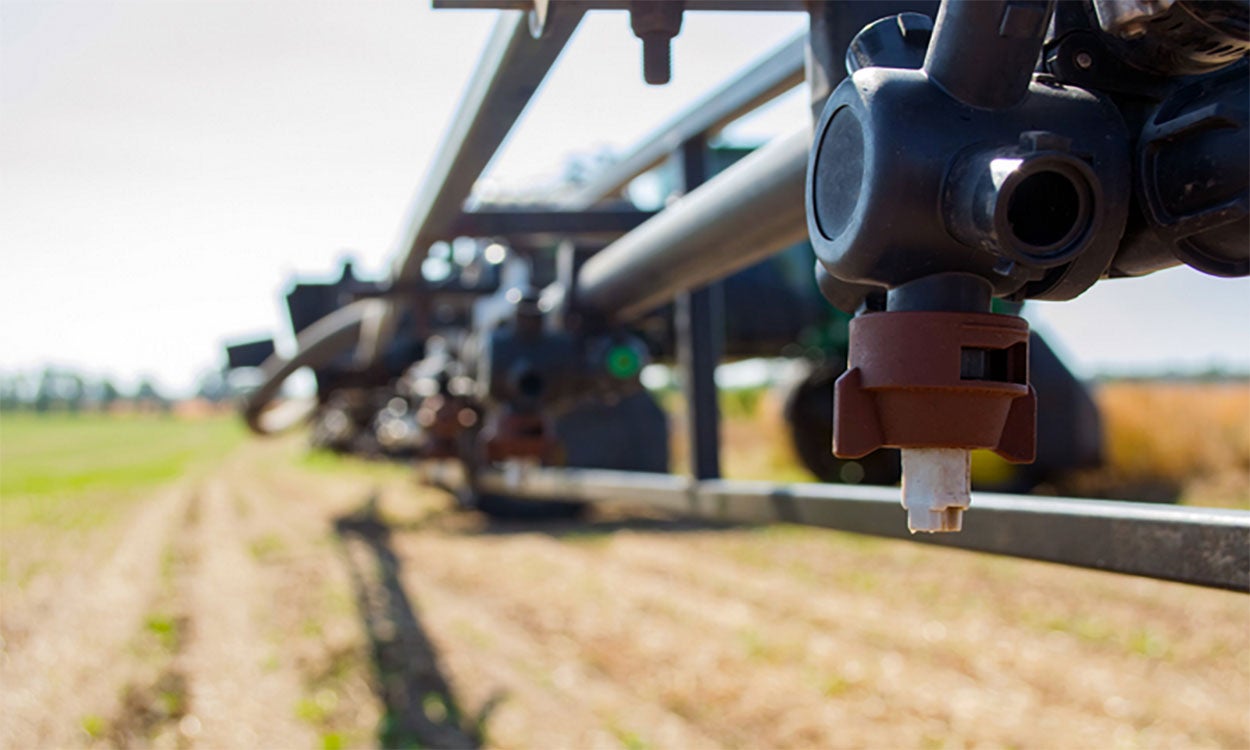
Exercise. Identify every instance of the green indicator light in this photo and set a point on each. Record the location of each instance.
(623, 362)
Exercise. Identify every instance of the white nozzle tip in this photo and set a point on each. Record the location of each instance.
(937, 487)
(931, 521)
(515, 472)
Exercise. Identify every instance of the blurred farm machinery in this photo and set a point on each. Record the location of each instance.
(963, 157)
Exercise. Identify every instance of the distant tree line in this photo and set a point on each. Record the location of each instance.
(1212, 374)
(58, 389)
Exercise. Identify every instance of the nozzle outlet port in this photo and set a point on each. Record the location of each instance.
(1034, 209)
(1044, 209)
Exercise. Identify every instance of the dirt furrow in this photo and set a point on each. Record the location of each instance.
(511, 689)
(662, 652)
(493, 657)
(781, 650)
(68, 672)
(307, 619)
(238, 692)
(972, 640)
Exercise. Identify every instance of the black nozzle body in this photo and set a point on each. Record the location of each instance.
(983, 52)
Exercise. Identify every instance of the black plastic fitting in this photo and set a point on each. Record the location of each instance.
(983, 53)
(1192, 194)
(941, 292)
(1185, 37)
(1194, 166)
(899, 41)
(528, 365)
(970, 165)
(1031, 204)
(520, 362)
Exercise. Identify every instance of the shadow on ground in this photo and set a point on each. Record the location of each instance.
(420, 709)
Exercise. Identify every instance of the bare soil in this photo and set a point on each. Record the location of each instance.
(277, 604)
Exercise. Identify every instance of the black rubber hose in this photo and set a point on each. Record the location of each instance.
(316, 345)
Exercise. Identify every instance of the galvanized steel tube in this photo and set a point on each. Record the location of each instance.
(741, 216)
(766, 79)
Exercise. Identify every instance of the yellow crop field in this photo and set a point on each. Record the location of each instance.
(1194, 437)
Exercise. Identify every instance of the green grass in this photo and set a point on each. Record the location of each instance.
(629, 739)
(266, 548)
(54, 468)
(94, 726)
(57, 454)
(742, 403)
(166, 629)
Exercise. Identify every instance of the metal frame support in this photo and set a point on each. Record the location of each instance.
(525, 221)
(700, 327)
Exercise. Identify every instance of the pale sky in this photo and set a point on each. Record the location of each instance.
(166, 166)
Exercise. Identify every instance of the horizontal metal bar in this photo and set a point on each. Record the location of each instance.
(768, 78)
(491, 221)
(746, 213)
(584, 5)
(1201, 546)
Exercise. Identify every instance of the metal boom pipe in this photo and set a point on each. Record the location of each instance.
(1200, 546)
(764, 81)
(511, 68)
(744, 214)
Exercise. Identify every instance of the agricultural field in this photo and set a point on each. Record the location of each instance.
(1190, 439)
(173, 583)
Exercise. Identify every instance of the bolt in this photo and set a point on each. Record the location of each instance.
(1084, 60)
(656, 59)
(656, 22)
